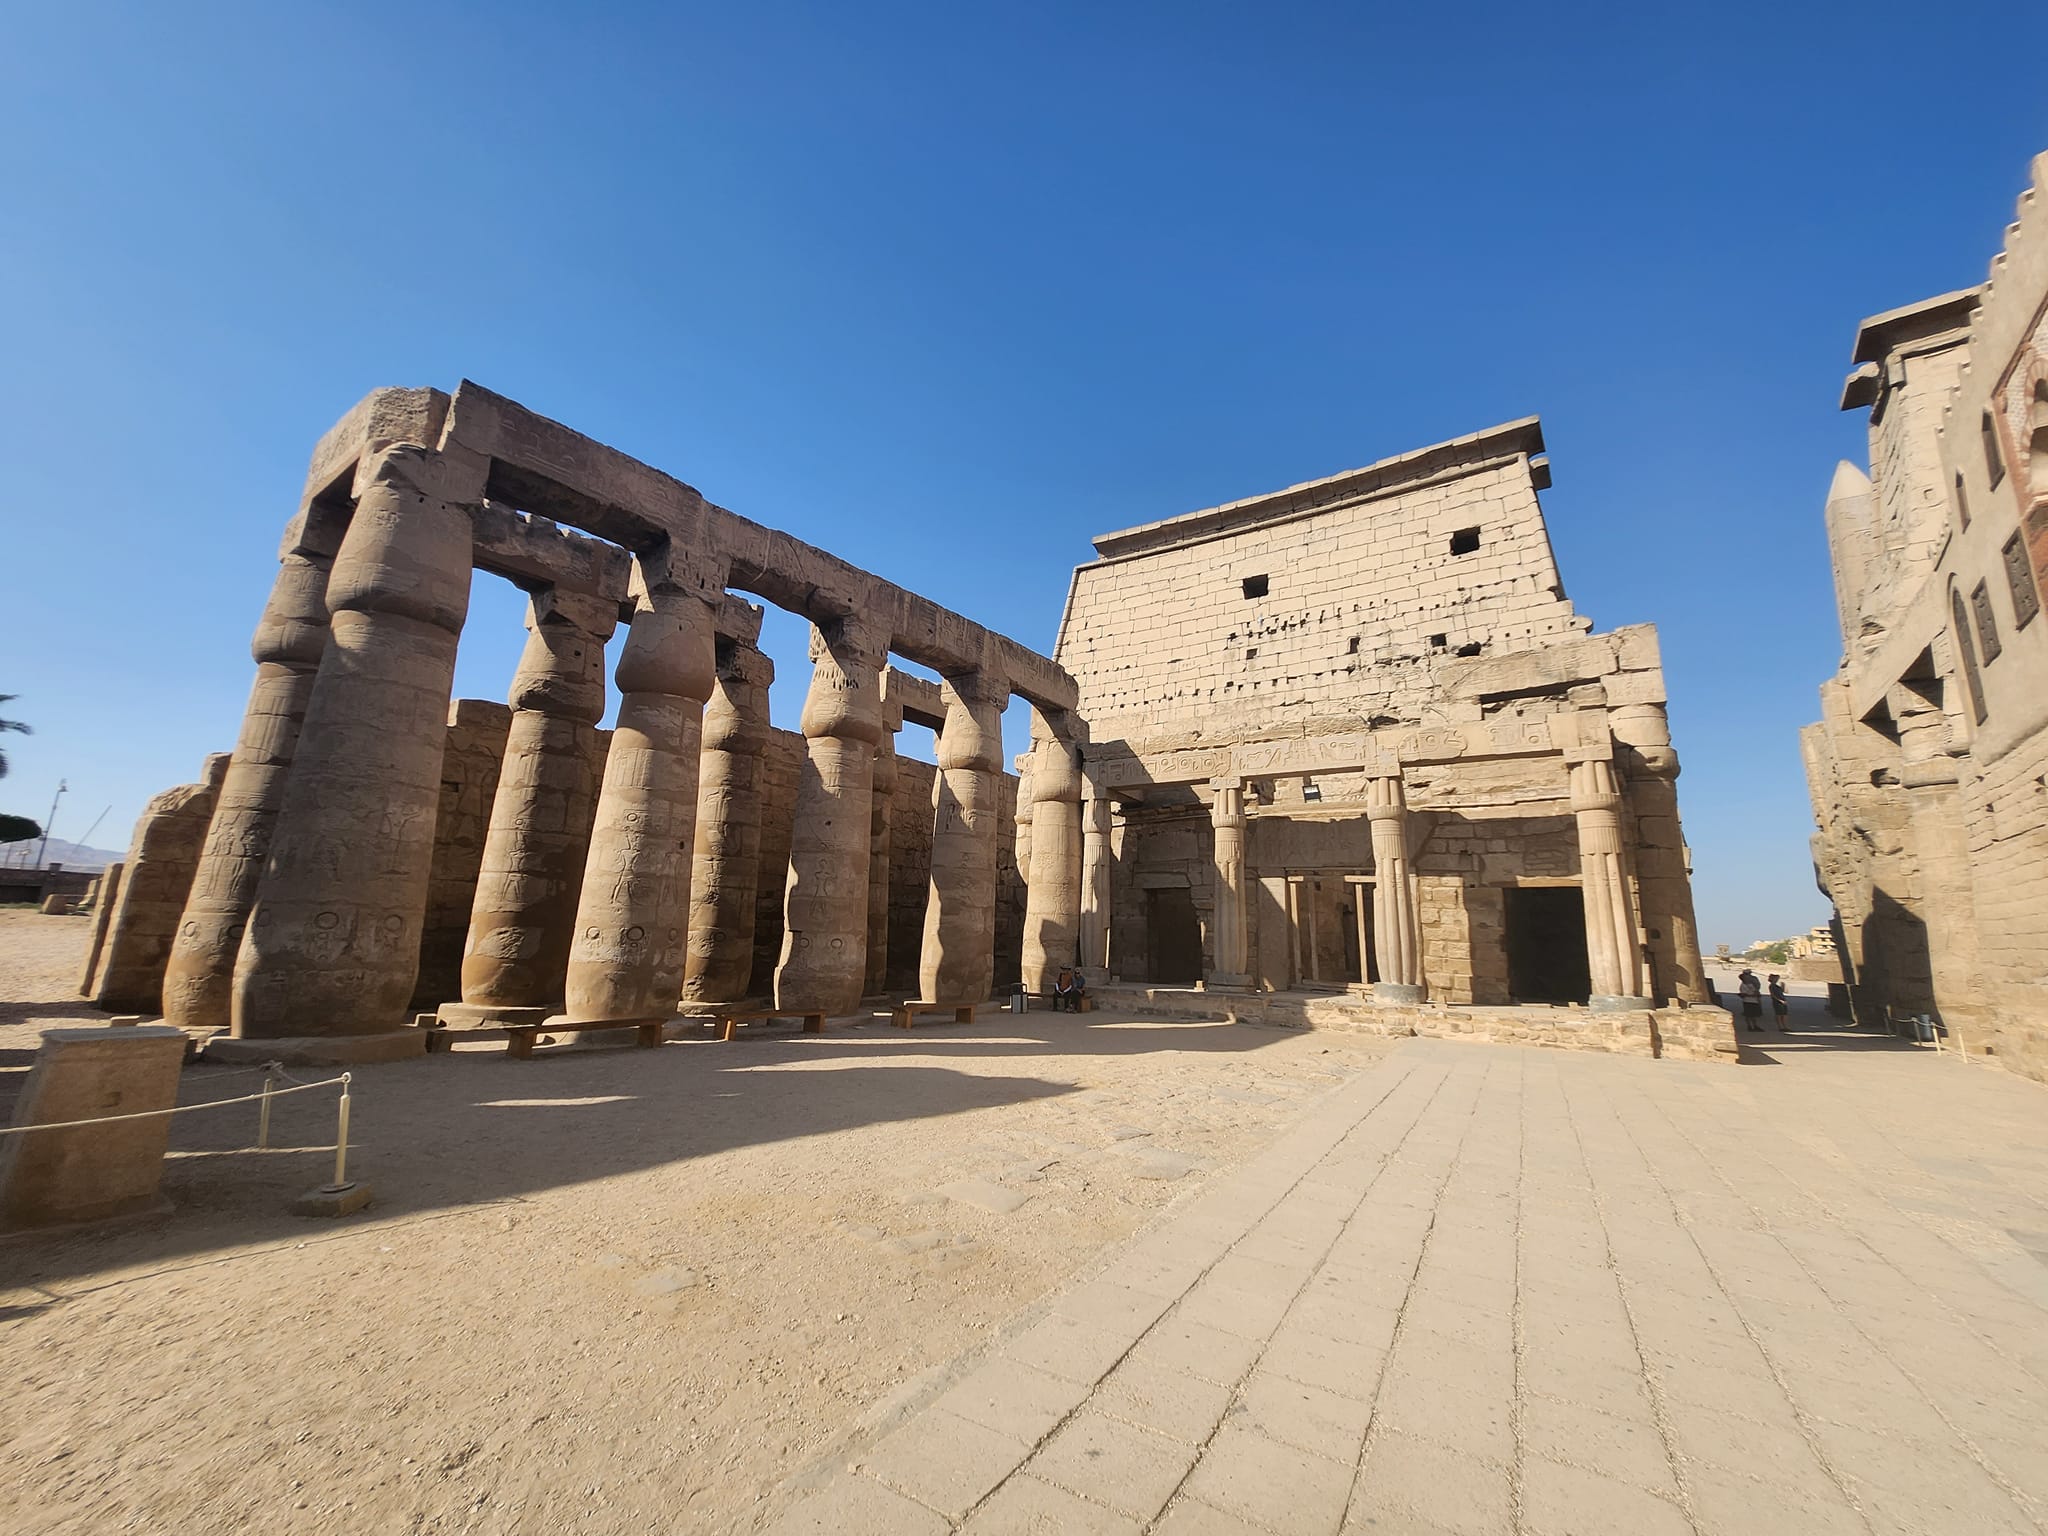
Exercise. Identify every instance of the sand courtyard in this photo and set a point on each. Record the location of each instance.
(1057, 1274)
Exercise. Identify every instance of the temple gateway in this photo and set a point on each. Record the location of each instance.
(1341, 754)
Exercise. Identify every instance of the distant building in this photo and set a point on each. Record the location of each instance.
(1928, 764)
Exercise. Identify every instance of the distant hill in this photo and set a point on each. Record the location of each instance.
(70, 855)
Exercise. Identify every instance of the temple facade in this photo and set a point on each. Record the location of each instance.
(1928, 763)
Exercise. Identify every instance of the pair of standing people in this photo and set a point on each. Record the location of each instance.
(1751, 991)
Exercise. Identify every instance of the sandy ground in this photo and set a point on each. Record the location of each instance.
(599, 1291)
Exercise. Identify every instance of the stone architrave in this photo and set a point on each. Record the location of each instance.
(631, 932)
(102, 918)
(1397, 935)
(291, 637)
(1612, 952)
(524, 915)
(156, 882)
(825, 919)
(1052, 903)
(1663, 882)
(725, 872)
(882, 846)
(92, 1172)
(957, 962)
(331, 950)
(1232, 963)
(1098, 863)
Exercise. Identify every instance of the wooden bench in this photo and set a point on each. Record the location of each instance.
(728, 1019)
(906, 1012)
(1083, 1004)
(519, 1038)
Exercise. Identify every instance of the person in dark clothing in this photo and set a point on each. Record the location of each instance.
(1751, 991)
(1067, 988)
(1779, 1006)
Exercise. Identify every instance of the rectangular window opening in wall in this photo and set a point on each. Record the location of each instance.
(1987, 623)
(1251, 653)
(1994, 461)
(1962, 503)
(2026, 602)
(1353, 651)
(1438, 642)
(1464, 541)
(1254, 586)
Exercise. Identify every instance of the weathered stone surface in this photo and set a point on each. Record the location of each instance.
(730, 808)
(958, 958)
(98, 1171)
(156, 880)
(471, 762)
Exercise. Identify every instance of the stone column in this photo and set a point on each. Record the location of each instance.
(958, 961)
(1662, 879)
(523, 918)
(882, 841)
(1231, 943)
(291, 637)
(1943, 895)
(1611, 946)
(1052, 903)
(102, 918)
(156, 883)
(825, 908)
(1397, 935)
(1098, 865)
(1361, 895)
(332, 946)
(724, 873)
(626, 960)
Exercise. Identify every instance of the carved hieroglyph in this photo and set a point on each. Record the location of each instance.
(156, 881)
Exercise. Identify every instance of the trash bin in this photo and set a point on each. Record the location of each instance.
(1020, 1001)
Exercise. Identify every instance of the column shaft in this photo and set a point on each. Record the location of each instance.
(1664, 883)
(957, 963)
(1230, 942)
(332, 944)
(1098, 865)
(825, 908)
(725, 865)
(1397, 937)
(524, 915)
(881, 849)
(291, 638)
(1052, 901)
(627, 957)
(1612, 952)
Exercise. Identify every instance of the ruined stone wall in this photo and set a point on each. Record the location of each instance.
(470, 765)
(1910, 507)
(1360, 597)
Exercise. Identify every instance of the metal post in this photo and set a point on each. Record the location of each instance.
(341, 1139)
(263, 1111)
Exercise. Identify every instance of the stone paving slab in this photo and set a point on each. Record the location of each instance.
(1486, 1289)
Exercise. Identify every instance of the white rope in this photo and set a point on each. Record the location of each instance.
(175, 1109)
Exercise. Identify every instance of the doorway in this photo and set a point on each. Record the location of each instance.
(1546, 944)
(1173, 937)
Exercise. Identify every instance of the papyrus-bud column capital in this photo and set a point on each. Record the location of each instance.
(332, 946)
(1397, 935)
(1613, 952)
(626, 959)
(1052, 900)
(524, 914)
(825, 908)
(727, 842)
(957, 963)
(290, 639)
(1227, 827)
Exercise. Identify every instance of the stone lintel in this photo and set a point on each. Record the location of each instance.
(533, 552)
(382, 416)
(917, 699)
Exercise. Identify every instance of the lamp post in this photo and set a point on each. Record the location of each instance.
(49, 822)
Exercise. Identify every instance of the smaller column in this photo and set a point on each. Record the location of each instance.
(825, 907)
(1361, 897)
(1098, 864)
(531, 874)
(1397, 942)
(882, 842)
(957, 962)
(1226, 816)
(156, 884)
(1613, 954)
(1664, 882)
(1052, 902)
(626, 960)
(725, 861)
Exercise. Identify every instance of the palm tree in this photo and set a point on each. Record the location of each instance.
(9, 725)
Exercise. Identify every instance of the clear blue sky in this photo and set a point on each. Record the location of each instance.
(948, 289)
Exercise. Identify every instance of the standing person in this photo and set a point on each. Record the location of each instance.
(1779, 1006)
(1751, 991)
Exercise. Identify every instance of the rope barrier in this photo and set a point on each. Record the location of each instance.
(179, 1109)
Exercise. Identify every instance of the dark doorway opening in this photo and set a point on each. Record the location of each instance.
(1546, 943)
(1173, 935)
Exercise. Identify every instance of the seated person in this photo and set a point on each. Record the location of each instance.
(1067, 988)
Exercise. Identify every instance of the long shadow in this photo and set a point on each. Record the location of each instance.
(466, 1128)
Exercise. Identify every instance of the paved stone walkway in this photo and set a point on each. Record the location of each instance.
(1487, 1289)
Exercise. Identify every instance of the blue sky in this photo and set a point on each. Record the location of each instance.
(948, 289)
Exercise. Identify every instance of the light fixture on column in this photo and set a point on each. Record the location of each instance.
(1311, 791)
